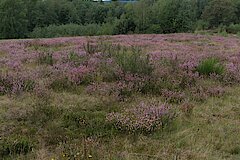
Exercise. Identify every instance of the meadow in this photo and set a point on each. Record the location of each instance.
(173, 96)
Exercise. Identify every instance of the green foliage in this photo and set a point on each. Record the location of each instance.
(233, 28)
(72, 30)
(13, 19)
(88, 123)
(201, 25)
(219, 12)
(176, 16)
(134, 61)
(15, 145)
(209, 66)
(238, 34)
(58, 18)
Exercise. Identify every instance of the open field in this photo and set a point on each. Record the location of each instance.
(120, 97)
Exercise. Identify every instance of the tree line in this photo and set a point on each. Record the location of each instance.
(54, 18)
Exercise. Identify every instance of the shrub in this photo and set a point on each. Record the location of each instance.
(210, 66)
(144, 118)
(233, 28)
(12, 83)
(173, 96)
(134, 62)
(72, 30)
(201, 25)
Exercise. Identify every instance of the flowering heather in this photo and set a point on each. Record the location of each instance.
(61, 91)
(173, 96)
(143, 118)
(165, 62)
(15, 83)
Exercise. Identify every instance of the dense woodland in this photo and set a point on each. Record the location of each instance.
(54, 18)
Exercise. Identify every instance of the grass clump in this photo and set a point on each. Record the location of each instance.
(210, 66)
(15, 145)
(87, 123)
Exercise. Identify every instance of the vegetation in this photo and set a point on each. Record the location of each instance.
(120, 97)
(54, 18)
(210, 66)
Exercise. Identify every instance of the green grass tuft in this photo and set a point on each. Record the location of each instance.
(210, 66)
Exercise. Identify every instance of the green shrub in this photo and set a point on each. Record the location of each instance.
(233, 28)
(209, 66)
(134, 61)
(72, 30)
(238, 34)
(201, 25)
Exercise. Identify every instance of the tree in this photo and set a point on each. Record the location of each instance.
(176, 15)
(237, 5)
(219, 12)
(13, 19)
(141, 15)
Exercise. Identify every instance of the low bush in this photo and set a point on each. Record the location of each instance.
(144, 118)
(233, 28)
(72, 30)
(134, 61)
(210, 66)
(12, 83)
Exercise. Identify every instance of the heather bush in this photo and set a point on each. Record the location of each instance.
(202, 92)
(173, 96)
(209, 66)
(15, 84)
(144, 118)
(232, 75)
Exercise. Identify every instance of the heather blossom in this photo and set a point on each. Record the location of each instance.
(143, 118)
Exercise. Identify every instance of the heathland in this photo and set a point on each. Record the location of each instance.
(172, 96)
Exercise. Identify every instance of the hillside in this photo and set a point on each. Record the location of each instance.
(172, 96)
